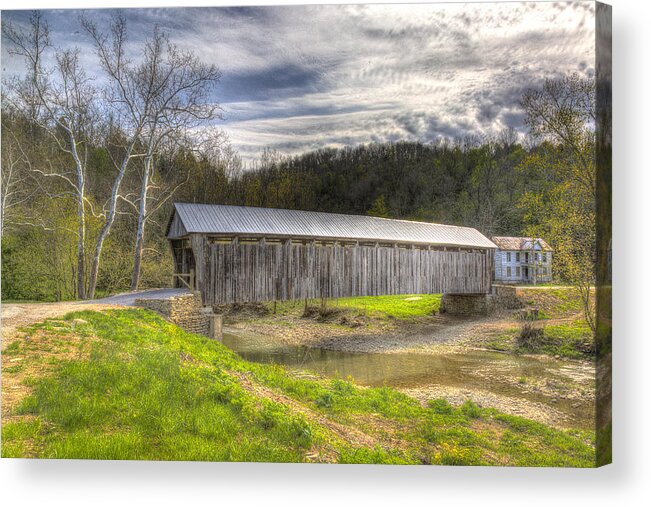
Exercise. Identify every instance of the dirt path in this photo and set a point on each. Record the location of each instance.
(129, 298)
(441, 333)
(16, 315)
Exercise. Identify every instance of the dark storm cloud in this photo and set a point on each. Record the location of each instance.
(277, 82)
(513, 119)
(490, 102)
(303, 77)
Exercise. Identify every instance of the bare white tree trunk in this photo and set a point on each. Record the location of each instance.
(81, 219)
(108, 223)
(142, 220)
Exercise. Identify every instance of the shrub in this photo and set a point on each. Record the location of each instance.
(440, 406)
(324, 400)
(452, 455)
(471, 409)
(342, 386)
(531, 336)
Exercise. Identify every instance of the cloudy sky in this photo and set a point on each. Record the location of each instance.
(298, 78)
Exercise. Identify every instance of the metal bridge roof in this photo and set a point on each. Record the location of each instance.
(271, 222)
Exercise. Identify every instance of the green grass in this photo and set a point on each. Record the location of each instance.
(605, 445)
(13, 369)
(403, 307)
(573, 340)
(145, 389)
(398, 307)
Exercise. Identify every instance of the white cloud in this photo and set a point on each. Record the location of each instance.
(302, 77)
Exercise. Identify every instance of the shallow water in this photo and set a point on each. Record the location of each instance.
(471, 371)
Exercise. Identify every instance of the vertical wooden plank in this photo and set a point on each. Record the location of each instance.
(198, 242)
(290, 270)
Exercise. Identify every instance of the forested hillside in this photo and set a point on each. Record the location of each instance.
(465, 183)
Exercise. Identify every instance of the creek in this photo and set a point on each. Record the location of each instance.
(510, 377)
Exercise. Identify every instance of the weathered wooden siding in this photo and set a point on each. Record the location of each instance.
(229, 272)
(176, 228)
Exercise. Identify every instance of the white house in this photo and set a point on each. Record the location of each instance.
(522, 260)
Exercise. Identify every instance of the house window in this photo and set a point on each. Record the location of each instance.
(517, 272)
(517, 257)
(508, 271)
(544, 257)
(508, 256)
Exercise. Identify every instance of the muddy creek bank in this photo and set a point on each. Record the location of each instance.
(555, 392)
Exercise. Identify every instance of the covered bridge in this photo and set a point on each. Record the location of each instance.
(244, 254)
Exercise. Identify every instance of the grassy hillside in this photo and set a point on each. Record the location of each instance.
(125, 384)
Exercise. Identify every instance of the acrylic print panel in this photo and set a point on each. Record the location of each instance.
(315, 234)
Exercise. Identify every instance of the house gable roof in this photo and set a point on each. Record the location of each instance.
(520, 243)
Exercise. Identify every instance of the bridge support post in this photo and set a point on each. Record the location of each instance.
(215, 329)
(466, 304)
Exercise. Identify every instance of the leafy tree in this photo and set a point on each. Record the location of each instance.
(563, 207)
(379, 208)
